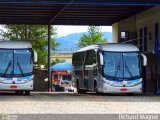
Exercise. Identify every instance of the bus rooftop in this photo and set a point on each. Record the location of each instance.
(114, 47)
(15, 44)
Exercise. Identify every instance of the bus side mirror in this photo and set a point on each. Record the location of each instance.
(101, 59)
(144, 59)
(35, 57)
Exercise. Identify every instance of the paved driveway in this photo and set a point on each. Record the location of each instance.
(72, 103)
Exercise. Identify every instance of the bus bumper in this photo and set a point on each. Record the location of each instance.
(111, 89)
(14, 87)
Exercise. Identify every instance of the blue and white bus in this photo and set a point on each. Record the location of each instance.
(16, 66)
(108, 68)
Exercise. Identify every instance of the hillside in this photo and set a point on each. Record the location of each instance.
(70, 42)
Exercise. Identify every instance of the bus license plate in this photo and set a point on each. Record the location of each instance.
(123, 89)
(13, 86)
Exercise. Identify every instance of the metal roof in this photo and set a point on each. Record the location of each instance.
(70, 12)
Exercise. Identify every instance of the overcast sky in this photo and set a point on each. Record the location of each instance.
(66, 30)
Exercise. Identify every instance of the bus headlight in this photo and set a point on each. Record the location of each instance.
(1, 81)
(105, 81)
(30, 80)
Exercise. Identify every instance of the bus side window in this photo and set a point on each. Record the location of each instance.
(91, 60)
(77, 59)
(90, 57)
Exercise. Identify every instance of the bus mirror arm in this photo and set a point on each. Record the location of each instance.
(101, 59)
(35, 57)
(144, 59)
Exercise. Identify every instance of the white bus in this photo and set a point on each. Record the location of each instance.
(16, 66)
(108, 68)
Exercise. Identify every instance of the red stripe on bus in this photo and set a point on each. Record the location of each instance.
(13, 86)
(123, 89)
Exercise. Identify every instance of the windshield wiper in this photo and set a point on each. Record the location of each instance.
(127, 68)
(9, 64)
(117, 69)
(20, 67)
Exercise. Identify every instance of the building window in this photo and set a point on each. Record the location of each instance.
(145, 39)
(124, 35)
(156, 42)
(90, 57)
(141, 39)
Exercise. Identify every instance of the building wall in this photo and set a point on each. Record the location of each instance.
(148, 19)
(115, 32)
(128, 25)
(133, 25)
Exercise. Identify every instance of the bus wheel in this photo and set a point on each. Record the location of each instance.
(27, 92)
(96, 88)
(79, 90)
(17, 92)
(21, 92)
(129, 94)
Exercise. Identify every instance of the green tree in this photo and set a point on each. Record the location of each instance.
(36, 34)
(53, 62)
(93, 36)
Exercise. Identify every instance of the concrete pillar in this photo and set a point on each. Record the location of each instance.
(115, 32)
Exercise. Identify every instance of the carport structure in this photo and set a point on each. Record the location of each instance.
(70, 12)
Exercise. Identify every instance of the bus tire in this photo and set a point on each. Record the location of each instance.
(21, 92)
(95, 87)
(80, 90)
(129, 94)
(17, 92)
(27, 92)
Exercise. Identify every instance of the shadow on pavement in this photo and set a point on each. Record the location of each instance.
(75, 97)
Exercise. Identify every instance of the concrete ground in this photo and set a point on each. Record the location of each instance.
(73, 103)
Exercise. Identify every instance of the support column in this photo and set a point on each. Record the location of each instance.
(115, 32)
(49, 59)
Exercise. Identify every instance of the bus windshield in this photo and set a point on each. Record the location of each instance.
(122, 65)
(15, 62)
